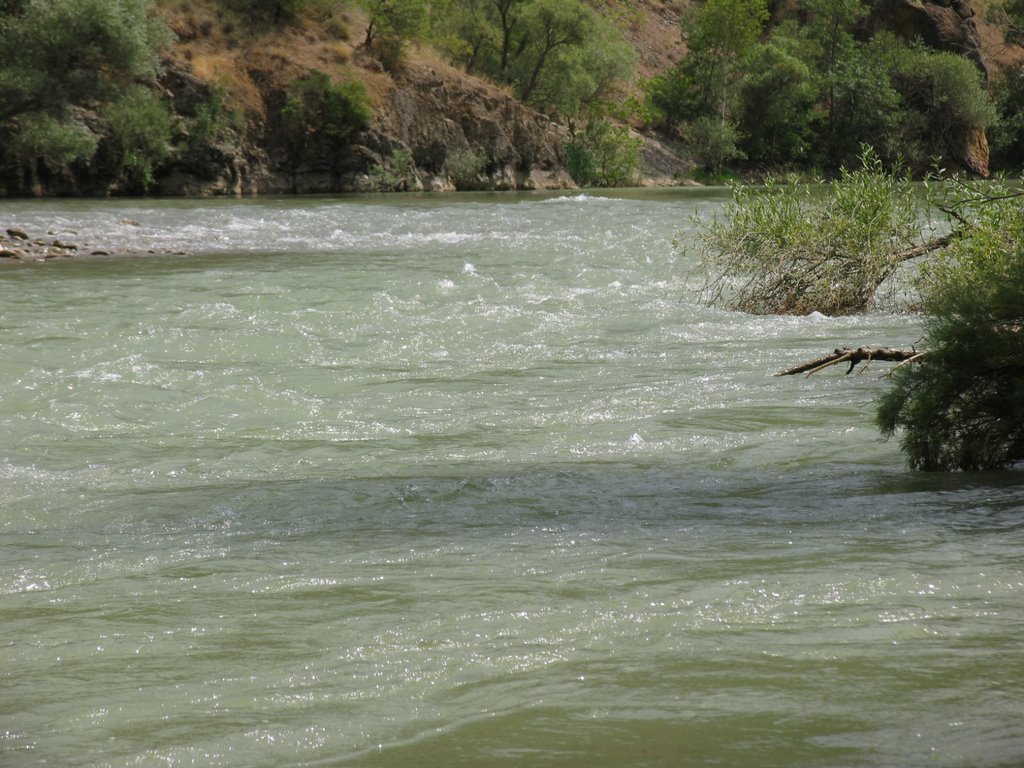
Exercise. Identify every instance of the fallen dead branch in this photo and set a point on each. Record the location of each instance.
(853, 356)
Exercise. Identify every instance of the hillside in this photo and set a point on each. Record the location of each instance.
(290, 96)
(432, 112)
(425, 108)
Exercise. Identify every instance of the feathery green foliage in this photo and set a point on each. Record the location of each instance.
(788, 248)
(943, 99)
(962, 406)
(1006, 137)
(56, 142)
(785, 248)
(810, 92)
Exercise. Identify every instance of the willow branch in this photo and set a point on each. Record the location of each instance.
(932, 245)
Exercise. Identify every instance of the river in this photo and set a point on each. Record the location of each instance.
(470, 480)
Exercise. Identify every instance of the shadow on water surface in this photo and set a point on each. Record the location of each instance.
(600, 496)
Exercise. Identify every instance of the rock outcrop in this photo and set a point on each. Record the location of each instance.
(946, 25)
(460, 133)
(219, 167)
(464, 133)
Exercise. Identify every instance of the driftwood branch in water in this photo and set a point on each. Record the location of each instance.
(853, 356)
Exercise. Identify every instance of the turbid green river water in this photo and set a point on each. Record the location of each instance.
(470, 481)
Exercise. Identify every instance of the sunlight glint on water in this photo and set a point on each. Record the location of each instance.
(470, 481)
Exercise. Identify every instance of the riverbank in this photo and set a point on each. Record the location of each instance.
(19, 246)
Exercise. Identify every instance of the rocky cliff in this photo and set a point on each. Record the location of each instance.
(459, 132)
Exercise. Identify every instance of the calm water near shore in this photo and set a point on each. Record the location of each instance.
(470, 481)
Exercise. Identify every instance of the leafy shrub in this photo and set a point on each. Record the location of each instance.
(714, 142)
(672, 96)
(579, 161)
(796, 249)
(944, 101)
(38, 136)
(1006, 137)
(1009, 15)
(962, 406)
(603, 155)
(463, 166)
(140, 129)
(212, 123)
(320, 117)
(396, 173)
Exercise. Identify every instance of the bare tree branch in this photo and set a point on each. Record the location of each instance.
(853, 356)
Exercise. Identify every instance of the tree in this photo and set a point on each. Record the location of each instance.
(1006, 138)
(864, 109)
(558, 55)
(464, 30)
(549, 26)
(673, 96)
(962, 405)
(829, 29)
(394, 21)
(65, 52)
(59, 59)
(140, 129)
(699, 96)
(570, 58)
(508, 15)
(776, 102)
(721, 36)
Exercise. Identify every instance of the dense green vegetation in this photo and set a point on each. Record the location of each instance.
(786, 248)
(320, 117)
(58, 60)
(810, 92)
(1007, 136)
(791, 248)
(559, 55)
(962, 405)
